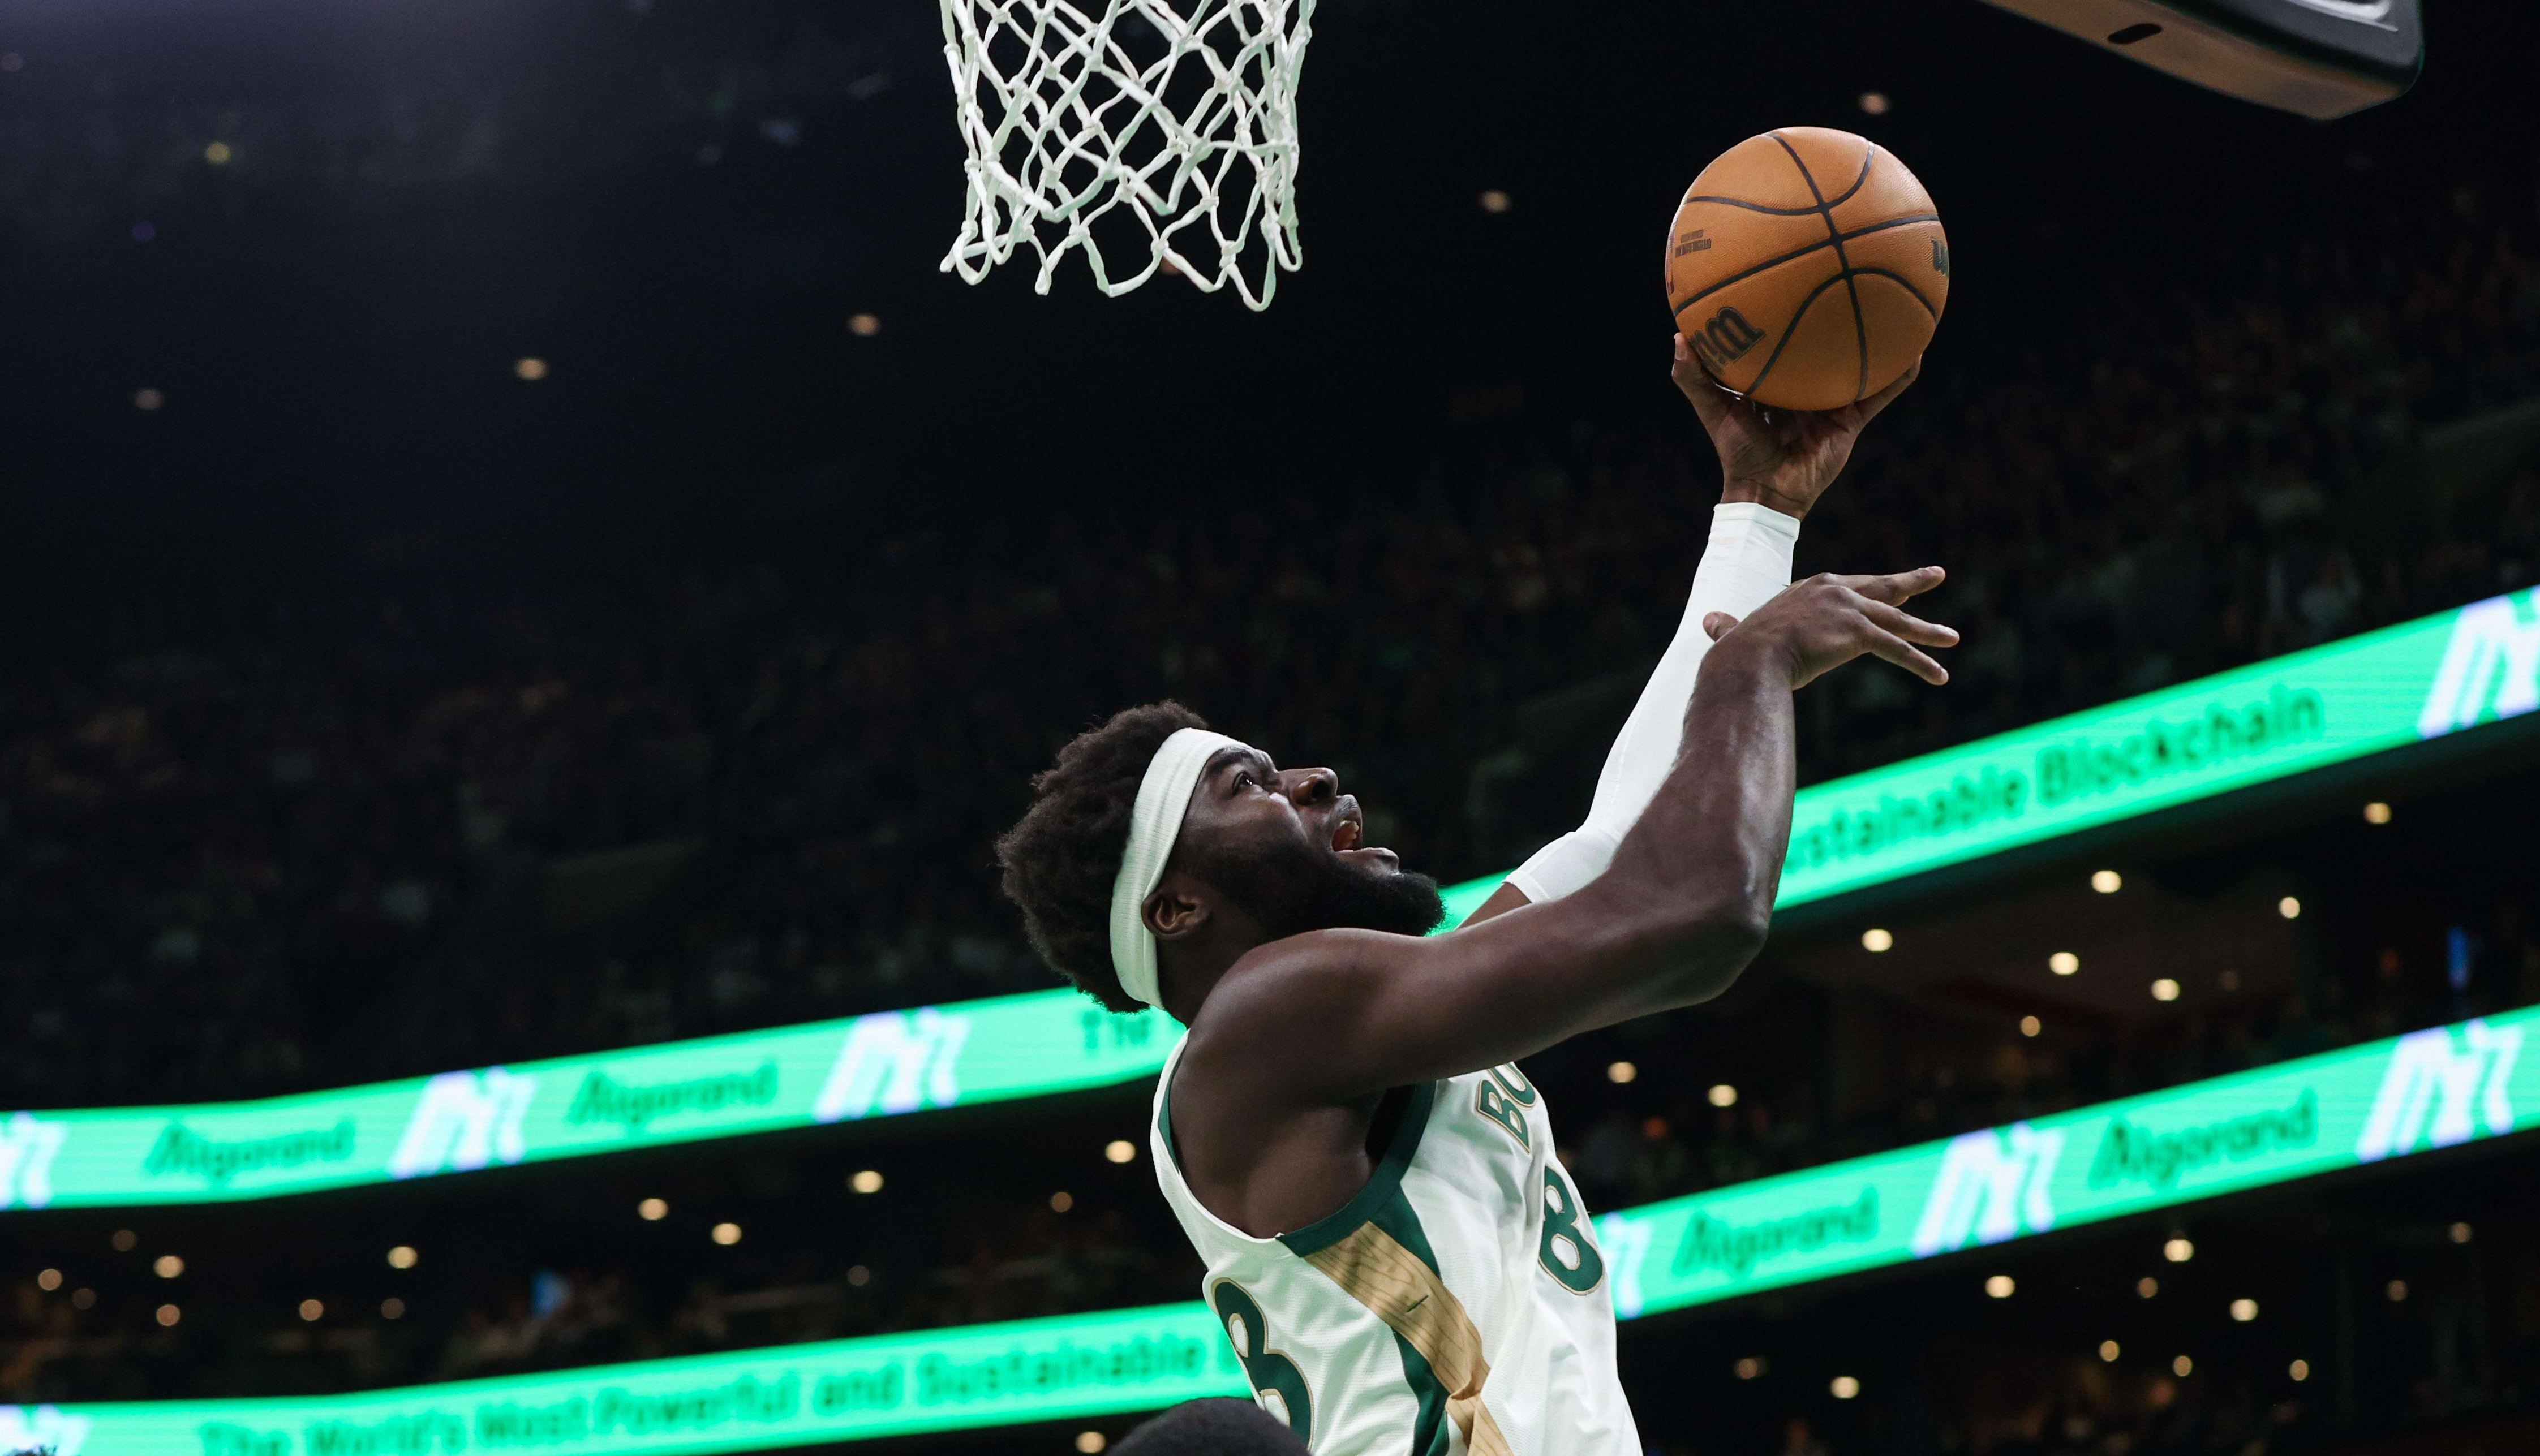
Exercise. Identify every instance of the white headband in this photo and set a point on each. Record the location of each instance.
(1163, 795)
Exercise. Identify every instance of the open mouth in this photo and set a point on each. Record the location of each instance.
(1349, 840)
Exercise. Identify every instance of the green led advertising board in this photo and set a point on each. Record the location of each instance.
(2367, 694)
(2433, 1088)
(882, 1065)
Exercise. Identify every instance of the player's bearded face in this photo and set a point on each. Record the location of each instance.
(1292, 886)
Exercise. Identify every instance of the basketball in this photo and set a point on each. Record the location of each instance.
(1807, 268)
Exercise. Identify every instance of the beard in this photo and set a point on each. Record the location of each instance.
(1291, 887)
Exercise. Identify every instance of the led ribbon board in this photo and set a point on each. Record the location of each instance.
(2418, 680)
(2433, 1088)
(2285, 716)
(798, 1076)
(2428, 1090)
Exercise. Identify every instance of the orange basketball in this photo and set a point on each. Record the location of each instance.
(1807, 268)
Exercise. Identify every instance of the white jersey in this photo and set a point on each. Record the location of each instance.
(1457, 1303)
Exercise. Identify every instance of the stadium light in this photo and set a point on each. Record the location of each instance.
(2300, 1370)
(2147, 1286)
(725, 1233)
(2064, 962)
(867, 1181)
(1090, 1441)
(1619, 1072)
(2107, 882)
(217, 152)
(1061, 1201)
(1495, 201)
(2182, 1367)
(311, 1310)
(2165, 988)
(167, 1265)
(1749, 1367)
(864, 325)
(2244, 1310)
(2108, 1351)
(653, 1210)
(2460, 1232)
(2179, 1250)
(2001, 1286)
(1845, 1387)
(48, 1280)
(2030, 1026)
(2288, 907)
(402, 1256)
(1722, 1094)
(1120, 1150)
(2377, 812)
(393, 1308)
(124, 1240)
(168, 1316)
(1876, 940)
(2397, 1289)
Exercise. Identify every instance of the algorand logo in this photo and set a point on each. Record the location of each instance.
(894, 1062)
(463, 1121)
(2491, 666)
(41, 1428)
(27, 1147)
(1993, 1185)
(2442, 1087)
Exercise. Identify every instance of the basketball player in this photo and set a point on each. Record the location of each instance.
(1398, 1258)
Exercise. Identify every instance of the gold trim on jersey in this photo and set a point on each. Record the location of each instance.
(1397, 1288)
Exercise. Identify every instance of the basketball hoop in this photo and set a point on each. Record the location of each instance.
(1165, 130)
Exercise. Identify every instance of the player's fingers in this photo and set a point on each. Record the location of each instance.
(1870, 408)
(1910, 627)
(1710, 404)
(1896, 588)
(1905, 655)
(1718, 624)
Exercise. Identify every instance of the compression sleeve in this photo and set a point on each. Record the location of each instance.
(1747, 561)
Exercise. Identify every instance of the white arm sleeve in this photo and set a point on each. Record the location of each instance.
(1747, 561)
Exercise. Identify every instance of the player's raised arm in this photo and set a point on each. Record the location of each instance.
(1334, 1014)
(1773, 467)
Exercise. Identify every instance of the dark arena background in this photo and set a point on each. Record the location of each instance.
(525, 599)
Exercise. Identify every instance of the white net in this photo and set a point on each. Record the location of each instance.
(1162, 131)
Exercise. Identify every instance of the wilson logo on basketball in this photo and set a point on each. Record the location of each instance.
(1726, 337)
(1692, 241)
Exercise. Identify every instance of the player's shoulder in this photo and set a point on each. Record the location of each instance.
(1316, 972)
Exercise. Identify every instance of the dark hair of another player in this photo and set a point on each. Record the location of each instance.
(1213, 1428)
(1062, 858)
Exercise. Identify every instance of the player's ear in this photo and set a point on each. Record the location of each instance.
(1178, 909)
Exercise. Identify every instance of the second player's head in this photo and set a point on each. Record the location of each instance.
(1155, 844)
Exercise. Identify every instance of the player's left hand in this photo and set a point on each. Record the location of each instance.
(1780, 457)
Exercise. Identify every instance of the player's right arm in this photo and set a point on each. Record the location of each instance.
(1332, 1016)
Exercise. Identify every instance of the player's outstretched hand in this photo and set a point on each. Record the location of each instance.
(1817, 625)
(1783, 459)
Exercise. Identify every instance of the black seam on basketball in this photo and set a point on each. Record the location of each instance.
(1859, 329)
(1920, 217)
(1781, 212)
(1788, 329)
(1866, 158)
(1902, 282)
(1740, 277)
(1751, 272)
